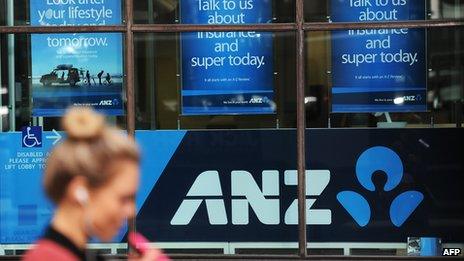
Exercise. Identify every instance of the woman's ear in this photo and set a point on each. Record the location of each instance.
(82, 196)
(78, 191)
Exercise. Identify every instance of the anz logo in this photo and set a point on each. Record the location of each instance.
(113, 102)
(259, 100)
(265, 202)
(409, 98)
(256, 100)
(370, 161)
(412, 98)
(106, 103)
(246, 193)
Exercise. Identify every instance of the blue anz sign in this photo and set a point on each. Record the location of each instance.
(381, 189)
(210, 186)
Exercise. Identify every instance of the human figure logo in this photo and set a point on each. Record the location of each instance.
(386, 160)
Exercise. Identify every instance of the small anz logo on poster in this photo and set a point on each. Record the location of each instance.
(448, 251)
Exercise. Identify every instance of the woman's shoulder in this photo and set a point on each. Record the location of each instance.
(49, 250)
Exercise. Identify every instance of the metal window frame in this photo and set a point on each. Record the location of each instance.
(299, 27)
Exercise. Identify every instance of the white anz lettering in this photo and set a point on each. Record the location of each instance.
(106, 103)
(256, 100)
(267, 210)
(206, 184)
(410, 98)
(316, 182)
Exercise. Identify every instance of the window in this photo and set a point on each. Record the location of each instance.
(215, 164)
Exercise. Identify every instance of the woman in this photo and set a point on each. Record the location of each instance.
(92, 177)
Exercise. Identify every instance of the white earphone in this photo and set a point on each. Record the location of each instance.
(81, 195)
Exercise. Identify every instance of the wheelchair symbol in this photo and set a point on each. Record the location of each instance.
(32, 136)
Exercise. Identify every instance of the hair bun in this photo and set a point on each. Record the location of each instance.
(83, 123)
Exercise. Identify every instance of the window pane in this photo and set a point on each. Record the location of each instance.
(213, 12)
(25, 211)
(238, 197)
(13, 12)
(366, 11)
(46, 73)
(386, 191)
(266, 152)
(2, 12)
(229, 69)
(389, 189)
(443, 72)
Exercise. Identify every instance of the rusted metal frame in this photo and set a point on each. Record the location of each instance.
(129, 67)
(61, 29)
(129, 72)
(172, 28)
(318, 26)
(379, 25)
(300, 129)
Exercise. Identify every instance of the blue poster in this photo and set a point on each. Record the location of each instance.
(378, 70)
(25, 209)
(227, 72)
(81, 69)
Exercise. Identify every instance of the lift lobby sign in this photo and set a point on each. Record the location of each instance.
(378, 70)
(81, 69)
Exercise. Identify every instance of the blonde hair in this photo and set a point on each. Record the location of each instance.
(89, 150)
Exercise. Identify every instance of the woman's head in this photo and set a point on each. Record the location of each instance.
(95, 169)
